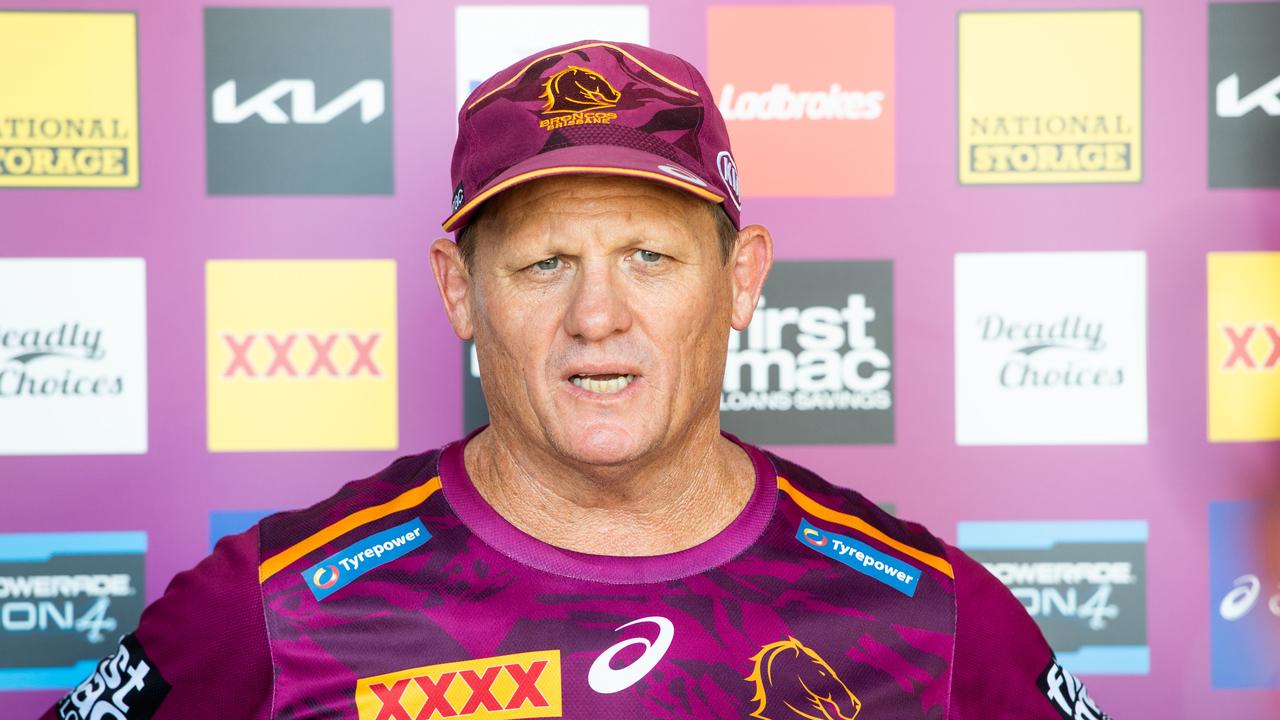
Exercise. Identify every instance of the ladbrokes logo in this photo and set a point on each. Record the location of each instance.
(63, 597)
(70, 116)
(73, 371)
(799, 116)
(1244, 346)
(1083, 582)
(1244, 95)
(282, 83)
(573, 94)
(523, 685)
(793, 682)
(294, 365)
(1050, 97)
(1051, 348)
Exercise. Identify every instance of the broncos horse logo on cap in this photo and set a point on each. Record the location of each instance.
(577, 90)
(794, 683)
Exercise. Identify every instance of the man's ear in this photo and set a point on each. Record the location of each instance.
(749, 265)
(454, 282)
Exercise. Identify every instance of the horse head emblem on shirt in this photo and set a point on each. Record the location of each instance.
(795, 683)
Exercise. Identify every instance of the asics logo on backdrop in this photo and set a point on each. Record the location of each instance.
(605, 679)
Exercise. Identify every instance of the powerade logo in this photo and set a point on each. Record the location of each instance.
(861, 557)
(63, 598)
(343, 567)
(1084, 582)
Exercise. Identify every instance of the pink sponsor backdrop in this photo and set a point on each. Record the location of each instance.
(1171, 214)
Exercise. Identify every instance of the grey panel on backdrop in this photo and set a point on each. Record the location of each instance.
(335, 48)
(805, 285)
(52, 646)
(1070, 632)
(1244, 151)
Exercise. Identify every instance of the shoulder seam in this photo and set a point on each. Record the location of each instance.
(852, 522)
(405, 500)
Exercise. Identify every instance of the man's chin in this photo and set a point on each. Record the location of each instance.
(605, 444)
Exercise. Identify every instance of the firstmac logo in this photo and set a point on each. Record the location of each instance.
(343, 567)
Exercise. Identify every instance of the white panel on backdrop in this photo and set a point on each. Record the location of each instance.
(73, 356)
(489, 38)
(1051, 348)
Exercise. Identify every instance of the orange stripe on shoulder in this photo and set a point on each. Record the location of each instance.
(292, 554)
(812, 507)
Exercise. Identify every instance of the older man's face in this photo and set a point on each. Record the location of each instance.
(601, 308)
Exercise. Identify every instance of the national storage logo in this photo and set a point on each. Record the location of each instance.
(73, 356)
(522, 685)
(489, 38)
(1244, 599)
(808, 95)
(1244, 95)
(65, 599)
(298, 101)
(814, 367)
(1084, 582)
(1051, 348)
(1050, 97)
(1244, 346)
(301, 354)
(70, 113)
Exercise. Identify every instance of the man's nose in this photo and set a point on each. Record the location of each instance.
(598, 306)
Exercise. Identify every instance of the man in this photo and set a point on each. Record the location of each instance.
(601, 550)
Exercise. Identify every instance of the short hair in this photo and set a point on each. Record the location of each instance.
(726, 234)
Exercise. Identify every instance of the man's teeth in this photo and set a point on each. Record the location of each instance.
(604, 387)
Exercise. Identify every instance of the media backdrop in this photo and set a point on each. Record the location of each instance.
(1027, 292)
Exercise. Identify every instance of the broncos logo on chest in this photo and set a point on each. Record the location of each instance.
(577, 90)
(794, 682)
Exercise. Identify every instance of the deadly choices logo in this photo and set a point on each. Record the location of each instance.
(298, 101)
(814, 367)
(63, 598)
(1244, 600)
(1084, 582)
(1244, 95)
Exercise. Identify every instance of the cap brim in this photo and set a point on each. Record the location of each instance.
(587, 160)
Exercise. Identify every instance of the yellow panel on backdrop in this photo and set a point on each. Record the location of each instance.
(1050, 97)
(69, 94)
(301, 354)
(1244, 346)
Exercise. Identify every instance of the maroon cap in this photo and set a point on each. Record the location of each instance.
(593, 107)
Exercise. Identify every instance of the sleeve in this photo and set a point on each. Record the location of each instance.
(200, 650)
(1003, 667)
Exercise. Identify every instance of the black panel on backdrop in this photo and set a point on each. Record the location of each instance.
(1244, 95)
(298, 101)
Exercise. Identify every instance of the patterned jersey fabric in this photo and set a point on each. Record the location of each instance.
(406, 597)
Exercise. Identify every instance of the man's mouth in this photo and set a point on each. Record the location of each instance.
(604, 384)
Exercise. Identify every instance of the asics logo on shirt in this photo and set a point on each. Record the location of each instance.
(605, 679)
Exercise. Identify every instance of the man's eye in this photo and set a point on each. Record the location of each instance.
(648, 256)
(549, 264)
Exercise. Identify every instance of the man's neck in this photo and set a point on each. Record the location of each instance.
(661, 506)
